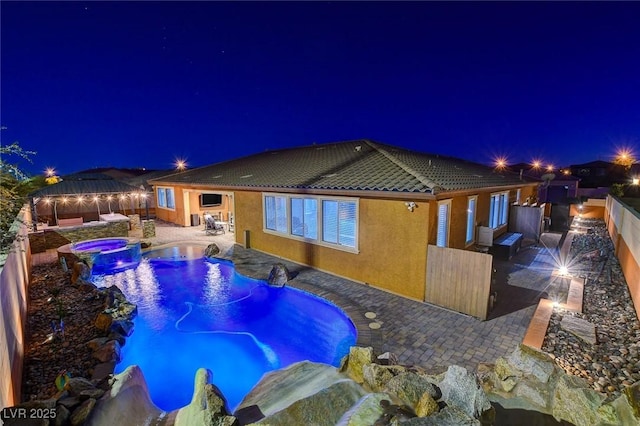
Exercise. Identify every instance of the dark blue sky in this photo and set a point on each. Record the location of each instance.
(139, 84)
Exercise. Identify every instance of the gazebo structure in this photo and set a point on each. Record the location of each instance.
(89, 196)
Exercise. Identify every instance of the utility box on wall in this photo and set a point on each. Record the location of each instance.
(485, 236)
(195, 219)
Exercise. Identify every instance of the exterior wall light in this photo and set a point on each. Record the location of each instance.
(410, 205)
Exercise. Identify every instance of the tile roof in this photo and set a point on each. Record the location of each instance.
(350, 165)
(84, 184)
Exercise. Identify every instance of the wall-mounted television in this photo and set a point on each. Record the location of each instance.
(210, 200)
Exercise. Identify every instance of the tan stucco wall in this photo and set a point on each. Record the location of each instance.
(392, 244)
(458, 218)
(181, 215)
(392, 240)
(176, 215)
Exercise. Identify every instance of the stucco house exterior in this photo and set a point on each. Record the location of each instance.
(359, 209)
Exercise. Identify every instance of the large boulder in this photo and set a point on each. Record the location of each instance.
(76, 385)
(448, 416)
(80, 415)
(323, 408)
(208, 406)
(303, 393)
(528, 361)
(212, 250)
(365, 412)
(81, 271)
(426, 405)
(631, 395)
(103, 321)
(377, 376)
(409, 387)
(358, 357)
(575, 402)
(461, 389)
(279, 275)
(538, 385)
(109, 352)
(127, 402)
(627, 405)
(125, 311)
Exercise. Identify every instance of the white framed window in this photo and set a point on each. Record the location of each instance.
(339, 222)
(166, 198)
(444, 211)
(328, 221)
(472, 202)
(498, 209)
(275, 208)
(304, 217)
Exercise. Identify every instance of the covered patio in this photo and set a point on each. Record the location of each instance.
(86, 198)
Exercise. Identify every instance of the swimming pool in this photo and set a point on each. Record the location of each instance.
(105, 255)
(195, 312)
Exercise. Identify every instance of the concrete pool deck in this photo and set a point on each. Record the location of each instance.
(417, 332)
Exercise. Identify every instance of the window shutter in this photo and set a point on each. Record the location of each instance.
(281, 214)
(505, 209)
(310, 218)
(443, 219)
(270, 212)
(471, 214)
(330, 221)
(347, 224)
(297, 217)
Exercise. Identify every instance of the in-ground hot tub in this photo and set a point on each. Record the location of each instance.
(104, 253)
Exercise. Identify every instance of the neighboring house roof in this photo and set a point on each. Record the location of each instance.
(538, 172)
(137, 181)
(84, 183)
(600, 174)
(116, 173)
(593, 164)
(351, 165)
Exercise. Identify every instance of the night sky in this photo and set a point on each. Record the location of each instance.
(140, 84)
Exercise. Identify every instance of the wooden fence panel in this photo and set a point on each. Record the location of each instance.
(459, 280)
(526, 220)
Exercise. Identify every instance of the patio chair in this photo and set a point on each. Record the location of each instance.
(211, 227)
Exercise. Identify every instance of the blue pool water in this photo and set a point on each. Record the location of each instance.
(195, 312)
(102, 244)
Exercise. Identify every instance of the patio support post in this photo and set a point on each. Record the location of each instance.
(55, 210)
(34, 214)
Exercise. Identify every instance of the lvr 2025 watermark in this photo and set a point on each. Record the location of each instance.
(12, 413)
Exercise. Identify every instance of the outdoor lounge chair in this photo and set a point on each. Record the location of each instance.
(211, 227)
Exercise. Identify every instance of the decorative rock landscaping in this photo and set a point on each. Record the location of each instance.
(609, 359)
(68, 361)
(530, 380)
